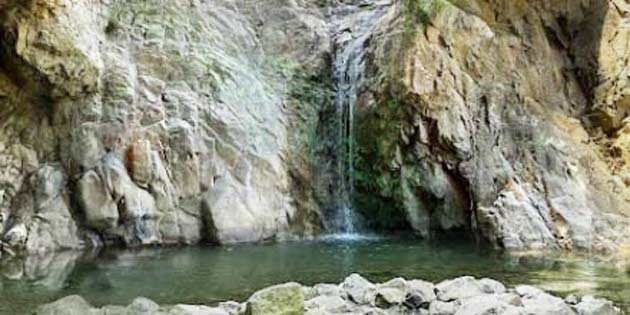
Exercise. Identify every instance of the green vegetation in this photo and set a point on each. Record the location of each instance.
(287, 67)
(378, 188)
(313, 94)
(418, 13)
(308, 95)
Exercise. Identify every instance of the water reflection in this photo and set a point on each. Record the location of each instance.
(207, 275)
(49, 271)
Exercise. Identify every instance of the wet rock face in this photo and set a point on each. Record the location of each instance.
(155, 122)
(488, 117)
(150, 122)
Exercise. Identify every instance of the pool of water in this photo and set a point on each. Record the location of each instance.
(210, 274)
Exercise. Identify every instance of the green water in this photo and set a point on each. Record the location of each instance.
(210, 274)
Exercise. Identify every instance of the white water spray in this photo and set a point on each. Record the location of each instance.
(351, 41)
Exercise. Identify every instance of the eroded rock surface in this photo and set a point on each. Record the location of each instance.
(157, 122)
(500, 118)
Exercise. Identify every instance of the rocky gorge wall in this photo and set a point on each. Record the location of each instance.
(503, 119)
(172, 122)
(157, 122)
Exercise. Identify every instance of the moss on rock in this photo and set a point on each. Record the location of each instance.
(284, 299)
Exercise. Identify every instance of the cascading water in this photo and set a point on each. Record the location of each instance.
(355, 29)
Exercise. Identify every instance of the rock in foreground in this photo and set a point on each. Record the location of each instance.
(460, 296)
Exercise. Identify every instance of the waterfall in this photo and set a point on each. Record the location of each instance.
(354, 30)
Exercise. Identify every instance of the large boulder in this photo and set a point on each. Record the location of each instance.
(458, 288)
(545, 304)
(392, 292)
(232, 215)
(52, 226)
(284, 299)
(486, 305)
(16, 236)
(329, 289)
(491, 286)
(70, 305)
(594, 306)
(327, 303)
(182, 309)
(421, 293)
(116, 206)
(101, 211)
(444, 308)
(142, 306)
(359, 289)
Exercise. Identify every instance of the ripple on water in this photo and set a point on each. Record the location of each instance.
(350, 237)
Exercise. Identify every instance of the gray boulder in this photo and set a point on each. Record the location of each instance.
(420, 293)
(444, 308)
(69, 305)
(284, 299)
(486, 305)
(527, 290)
(101, 212)
(359, 290)
(458, 288)
(16, 236)
(52, 226)
(491, 286)
(545, 304)
(142, 305)
(232, 307)
(182, 309)
(593, 306)
(392, 292)
(329, 289)
(327, 303)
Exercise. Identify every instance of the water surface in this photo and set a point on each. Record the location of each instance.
(210, 274)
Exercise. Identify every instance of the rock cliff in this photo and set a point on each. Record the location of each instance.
(157, 122)
(505, 119)
(172, 122)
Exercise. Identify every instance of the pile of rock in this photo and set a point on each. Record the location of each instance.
(356, 295)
